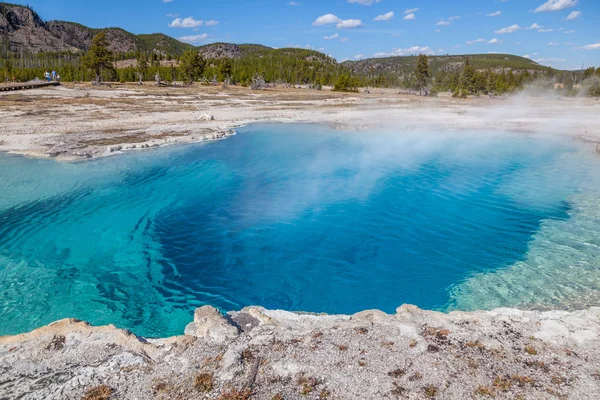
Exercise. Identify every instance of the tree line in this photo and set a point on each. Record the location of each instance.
(295, 66)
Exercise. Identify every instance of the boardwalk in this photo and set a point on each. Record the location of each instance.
(27, 85)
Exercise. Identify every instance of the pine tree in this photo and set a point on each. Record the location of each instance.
(468, 79)
(422, 74)
(98, 58)
(192, 65)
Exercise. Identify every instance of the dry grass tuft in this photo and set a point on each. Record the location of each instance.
(430, 391)
(235, 394)
(204, 382)
(397, 373)
(307, 384)
(502, 383)
(101, 392)
(484, 391)
(531, 350)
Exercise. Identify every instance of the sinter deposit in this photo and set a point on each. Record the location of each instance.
(264, 354)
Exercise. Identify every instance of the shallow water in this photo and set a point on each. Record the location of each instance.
(299, 217)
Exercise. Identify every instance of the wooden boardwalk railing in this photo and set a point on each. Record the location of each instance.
(27, 85)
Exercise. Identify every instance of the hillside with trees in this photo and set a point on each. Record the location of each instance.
(29, 46)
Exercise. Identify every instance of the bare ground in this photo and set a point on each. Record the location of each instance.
(80, 121)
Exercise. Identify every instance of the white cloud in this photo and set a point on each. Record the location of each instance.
(327, 19)
(480, 40)
(453, 18)
(574, 15)
(364, 2)
(492, 52)
(384, 17)
(167, 1)
(194, 39)
(494, 14)
(509, 29)
(299, 46)
(359, 56)
(188, 22)
(335, 37)
(494, 41)
(571, 31)
(442, 23)
(408, 51)
(410, 17)
(552, 44)
(556, 5)
(172, 15)
(349, 24)
(549, 60)
(293, 3)
(526, 56)
(546, 30)
(514, 28)
(411, 11)
(437, 31)
(330, 19)
(595, 46)
(211, 22)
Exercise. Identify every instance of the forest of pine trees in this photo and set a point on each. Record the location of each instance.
(290, 66)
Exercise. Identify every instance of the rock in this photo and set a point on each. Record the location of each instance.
(206, 117)
(210, 324)
(231, 363)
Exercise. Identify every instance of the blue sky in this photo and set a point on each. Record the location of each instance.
(561, 33)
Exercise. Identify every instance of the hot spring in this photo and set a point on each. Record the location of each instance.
(301, 218)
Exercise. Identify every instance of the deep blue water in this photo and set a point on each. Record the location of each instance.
(298, 217)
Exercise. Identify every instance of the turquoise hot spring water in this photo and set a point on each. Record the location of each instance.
(300, 217)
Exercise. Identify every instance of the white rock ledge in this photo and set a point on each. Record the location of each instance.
(272, 354)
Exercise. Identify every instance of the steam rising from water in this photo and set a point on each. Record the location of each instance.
(303, 218)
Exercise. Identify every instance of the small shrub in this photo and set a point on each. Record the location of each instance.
(343, 347)
(346, 83)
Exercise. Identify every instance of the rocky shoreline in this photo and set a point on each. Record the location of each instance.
(266, 354)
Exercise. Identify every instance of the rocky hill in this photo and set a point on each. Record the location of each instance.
(80, 37)
(22, 29)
